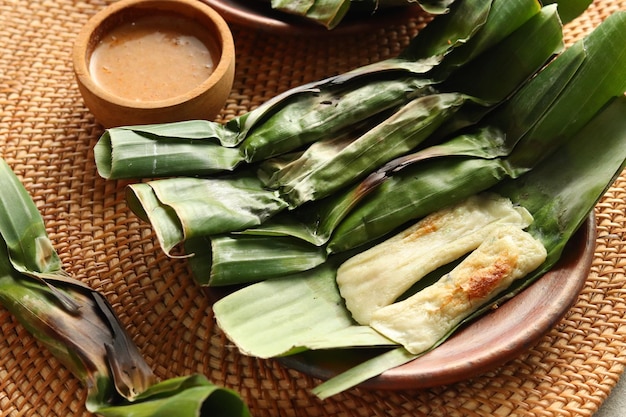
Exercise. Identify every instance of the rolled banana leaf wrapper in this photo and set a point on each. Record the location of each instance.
(80, 328)
(182, 207)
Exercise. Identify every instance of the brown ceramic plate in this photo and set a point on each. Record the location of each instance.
(486, 343)
(260, 16)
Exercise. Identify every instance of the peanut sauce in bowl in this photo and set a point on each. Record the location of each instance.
(154, 61)
(153, 58)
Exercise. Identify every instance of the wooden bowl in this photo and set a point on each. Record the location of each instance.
(202, 100)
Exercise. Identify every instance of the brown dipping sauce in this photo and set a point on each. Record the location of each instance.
(153, 58)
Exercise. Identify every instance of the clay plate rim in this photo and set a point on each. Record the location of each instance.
(257, 15)
(492, 340)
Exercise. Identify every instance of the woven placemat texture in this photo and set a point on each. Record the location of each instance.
(47, 137)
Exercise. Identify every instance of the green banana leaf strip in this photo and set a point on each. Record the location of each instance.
(505, 17)
(307, 119)
(224, 134)
(182, 208)
(390, 69)
(297, 7)
(570, 9)
(192, 396)
(144, 203)
(23, 229)
(364, 371)
(560, 193)
(329, 165)
(498, 72)
(433, 7)
(600, 78)
(238, 259)
(527, 107)
(430, 6)
(449, 30)
(290, 314)
(412, 193)
(137, 153)
(329, 12)
(297, 224)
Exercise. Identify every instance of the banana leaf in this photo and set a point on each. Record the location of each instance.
(80, 328)
(448, 31)
(417, 190)
(497, 73)
(322, 168)
(183, 208)
(570, 9)
(560, 193)
(28, 248)
(327, 112)
(434, 7)
(238, 259)
(600, 77)
(287, 315)
(79, 338)
(505, 17)
(156, 150)
(330, 13)
(189, 396)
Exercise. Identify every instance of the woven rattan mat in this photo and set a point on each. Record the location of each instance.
(47, 136)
